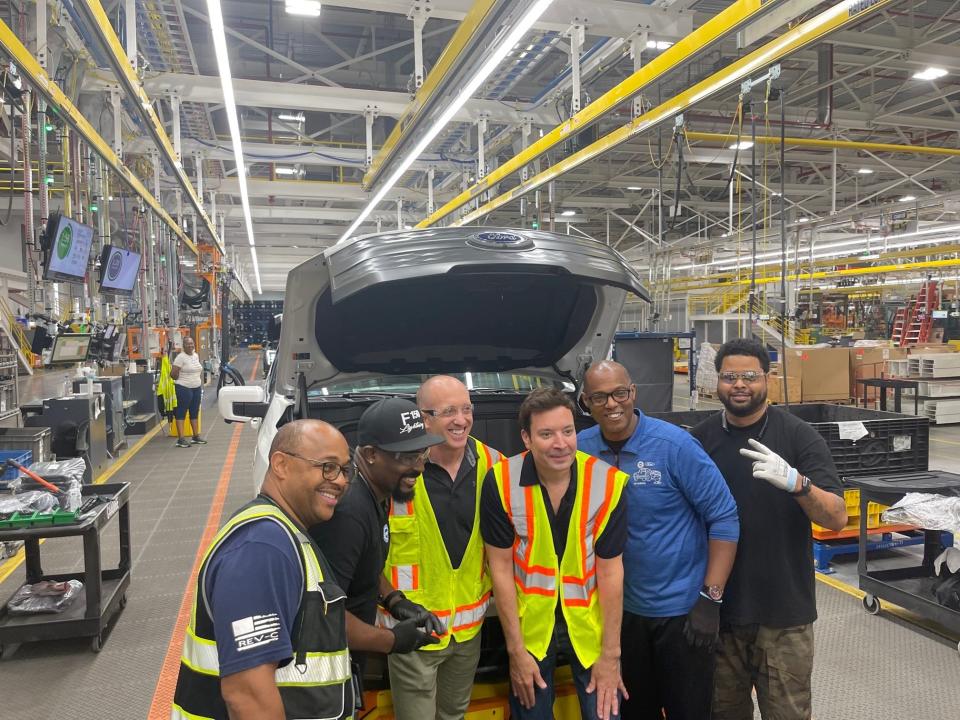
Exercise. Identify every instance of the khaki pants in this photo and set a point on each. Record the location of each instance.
(778, 662)
(434, 684)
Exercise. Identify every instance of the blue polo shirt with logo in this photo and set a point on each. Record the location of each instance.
(677, 501)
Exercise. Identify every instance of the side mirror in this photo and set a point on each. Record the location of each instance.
(242, 403)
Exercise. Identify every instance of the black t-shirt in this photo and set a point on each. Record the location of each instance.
(497, 530)
(772, 582)
(454, 502)
(355, 541)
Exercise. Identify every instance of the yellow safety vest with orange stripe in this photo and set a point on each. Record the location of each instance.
(419, 565)
(535, 566)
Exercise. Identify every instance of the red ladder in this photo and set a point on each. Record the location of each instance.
(899, 323)
(920, 320)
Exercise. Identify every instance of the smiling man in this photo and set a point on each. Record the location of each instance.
(392, 444)
(553, 520)
(682, 540)
(436, 558)
(252, 651)
(783, 477)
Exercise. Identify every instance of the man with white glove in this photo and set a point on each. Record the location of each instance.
(782, 477)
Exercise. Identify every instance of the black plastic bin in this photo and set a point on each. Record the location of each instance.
(894, 443)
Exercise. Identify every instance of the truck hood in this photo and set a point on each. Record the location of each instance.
(448, 300)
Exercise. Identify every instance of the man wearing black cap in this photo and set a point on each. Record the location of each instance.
(392, 445)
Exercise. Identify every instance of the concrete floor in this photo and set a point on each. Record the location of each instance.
(867, 667)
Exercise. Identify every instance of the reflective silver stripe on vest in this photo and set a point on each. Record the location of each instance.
(200, 655)
(518, 515)
(575, 591)
(403, 574)
(400, 509)
(178, 713)
(598, 488)
(467, 618)
(319, 669)
(385, 619)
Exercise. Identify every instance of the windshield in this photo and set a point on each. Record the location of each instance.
(409, 384)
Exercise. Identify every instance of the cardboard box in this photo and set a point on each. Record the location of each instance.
(775, 385)
(870, 362)
(930, 349)
(824, 372)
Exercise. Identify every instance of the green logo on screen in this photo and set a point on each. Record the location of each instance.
(64, 241)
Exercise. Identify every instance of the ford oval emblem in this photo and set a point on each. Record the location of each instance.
(500, 241)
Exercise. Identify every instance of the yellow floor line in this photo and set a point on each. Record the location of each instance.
(888, 607)
(8, 566)
(941, 440)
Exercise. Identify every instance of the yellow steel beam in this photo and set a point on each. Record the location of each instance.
(828, 144)
(41, 82)
(127, 76)
(715, 29)
(797, 38)
(829, 274)
(455, 47)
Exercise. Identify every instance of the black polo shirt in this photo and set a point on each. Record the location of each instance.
(355, 541)
(497, 530)
(454, 501)
(772, 582)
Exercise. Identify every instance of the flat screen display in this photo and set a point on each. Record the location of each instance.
(68, 250)
(70, 347)
(118, 270)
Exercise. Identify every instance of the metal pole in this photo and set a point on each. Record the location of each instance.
(753, 215)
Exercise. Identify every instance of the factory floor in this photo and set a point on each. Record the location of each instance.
(866, 666)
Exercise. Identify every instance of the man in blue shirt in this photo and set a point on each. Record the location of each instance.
(681, 543)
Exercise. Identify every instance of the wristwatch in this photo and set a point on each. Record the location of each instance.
(712, 592)
(804, 486)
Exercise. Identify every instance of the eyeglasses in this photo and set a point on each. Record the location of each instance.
(330, 470)
(599, 399)
(449, 412)
(748, 376)
(411, 458)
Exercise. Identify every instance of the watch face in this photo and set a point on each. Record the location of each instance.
(715, 592)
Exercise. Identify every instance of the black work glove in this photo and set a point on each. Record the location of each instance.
(702, 627)
(404, 609)
(408, 636)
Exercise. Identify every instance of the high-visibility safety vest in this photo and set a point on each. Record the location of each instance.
(419, 565)
(317, 683)
(535, 567)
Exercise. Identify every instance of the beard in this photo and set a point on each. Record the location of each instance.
(757, 400)
(402, 495)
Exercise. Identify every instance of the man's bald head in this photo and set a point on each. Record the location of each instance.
(605, 370)
(438, 385)
(295, 435)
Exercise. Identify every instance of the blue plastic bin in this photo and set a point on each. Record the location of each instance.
(24, 457)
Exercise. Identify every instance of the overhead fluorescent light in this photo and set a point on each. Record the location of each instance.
(291, 117)
(568, 213)
(308, 8)
(864, 171)
(230, 107)
(634, 188)
(930, 73)
(908, 198)
(742, 145)
(803, 220)
(871, 256)
(658, 44)
(466, 92)
(282, 170)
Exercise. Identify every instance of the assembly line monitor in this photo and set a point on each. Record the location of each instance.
(70, 347)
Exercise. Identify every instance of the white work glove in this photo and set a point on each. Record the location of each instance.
(769, 466)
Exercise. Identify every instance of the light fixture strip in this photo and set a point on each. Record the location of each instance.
(507, 44)
(230, 107)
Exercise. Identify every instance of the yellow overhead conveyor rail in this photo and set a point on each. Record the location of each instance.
(465, 31)
(100, 24)
(41, 82)
(714, 30)
(827, 144)
(812, 31)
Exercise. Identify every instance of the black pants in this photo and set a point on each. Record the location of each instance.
(663, 673)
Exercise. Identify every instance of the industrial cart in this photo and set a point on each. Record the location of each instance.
(909, 587)
(104, 590)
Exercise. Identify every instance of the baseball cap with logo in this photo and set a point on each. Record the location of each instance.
(395, 425)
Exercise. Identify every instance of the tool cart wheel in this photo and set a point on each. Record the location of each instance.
(96, 643)
(871, 604)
